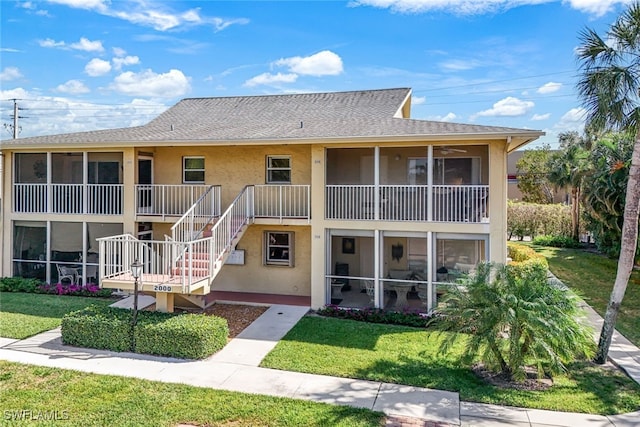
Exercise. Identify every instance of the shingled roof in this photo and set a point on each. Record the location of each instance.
(277, 118)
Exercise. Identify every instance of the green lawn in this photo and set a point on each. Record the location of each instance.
(23, 314)
(101, 400)
(409, 356)
(591, 276)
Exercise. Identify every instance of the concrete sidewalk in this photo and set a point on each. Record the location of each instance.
(235, 368)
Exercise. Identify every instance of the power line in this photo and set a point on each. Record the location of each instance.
(15, 128)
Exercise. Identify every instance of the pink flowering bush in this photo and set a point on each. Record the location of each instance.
(90, 290)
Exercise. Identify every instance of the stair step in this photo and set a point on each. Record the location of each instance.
(198, 255)
(196, 263)
(198, 272)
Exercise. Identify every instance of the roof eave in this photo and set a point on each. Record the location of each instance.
(514, 140)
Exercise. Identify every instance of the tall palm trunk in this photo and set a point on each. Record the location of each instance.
(627, 253)
(575, 216)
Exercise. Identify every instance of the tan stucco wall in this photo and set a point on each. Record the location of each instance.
(254, 276)
(231, 167)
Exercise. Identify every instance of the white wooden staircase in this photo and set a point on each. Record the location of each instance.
(185, 263)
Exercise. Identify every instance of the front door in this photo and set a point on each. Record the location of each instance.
(145, 181)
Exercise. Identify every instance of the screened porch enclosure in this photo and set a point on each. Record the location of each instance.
(433, 183)
(68, 183)
(59, 252)
(414, 270)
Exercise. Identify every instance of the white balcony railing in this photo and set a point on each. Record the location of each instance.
(166, 262)
(95, 199)
(442, 203)
(177, 262)
(193, 223)
(172, 200)
(282, 201)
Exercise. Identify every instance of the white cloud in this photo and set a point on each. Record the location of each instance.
(73, 87)
(595, 7)
(270, 79)
(83, 44)
(508, 106)
(118, 51)
(97, 67)
(156, 15)
(50, 43)
(418, 100)
(70, 115)
(571, 120)
(119, 62)
(98, 5)
(459, 65)
(325, 63)
(477, 7)
(149, 84)
(549, 88)
(87, 45)
(459, 7)
(449, 117)
(10, 73)
(538, 117)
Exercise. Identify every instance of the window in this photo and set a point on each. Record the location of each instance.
(193, 170)
(417, 171)
(278, 170)
(278, 248)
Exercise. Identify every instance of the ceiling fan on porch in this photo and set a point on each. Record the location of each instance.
(449, 150)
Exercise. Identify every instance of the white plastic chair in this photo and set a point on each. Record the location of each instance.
(66, 273)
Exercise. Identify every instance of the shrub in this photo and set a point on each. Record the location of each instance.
(556, 241)
(18, 284)
(90, 290)
(21, 284)
(406, 317)
(188, 336)
(531, 219)
(105, 328)
(192, 336)
(524, 255)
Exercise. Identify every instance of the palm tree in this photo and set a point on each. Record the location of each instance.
(515, 318)
(609, 86)
(567, 169)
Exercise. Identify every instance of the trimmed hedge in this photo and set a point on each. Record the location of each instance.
(104, 328)
(376, 315)
(523, 255)
(186, 336)
(531, 219)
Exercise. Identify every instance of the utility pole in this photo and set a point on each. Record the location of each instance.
(15, 118)
(14, 128)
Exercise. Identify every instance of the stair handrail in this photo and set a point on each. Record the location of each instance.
(180, 228)
(224, 232)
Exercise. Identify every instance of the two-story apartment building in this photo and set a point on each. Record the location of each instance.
(331, 197)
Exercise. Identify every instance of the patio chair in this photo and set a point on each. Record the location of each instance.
(91, 273)
(370, 288)
(66, 273)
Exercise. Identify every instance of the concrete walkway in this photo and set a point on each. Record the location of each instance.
(235, 368)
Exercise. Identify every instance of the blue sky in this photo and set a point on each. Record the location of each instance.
(77, 65)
